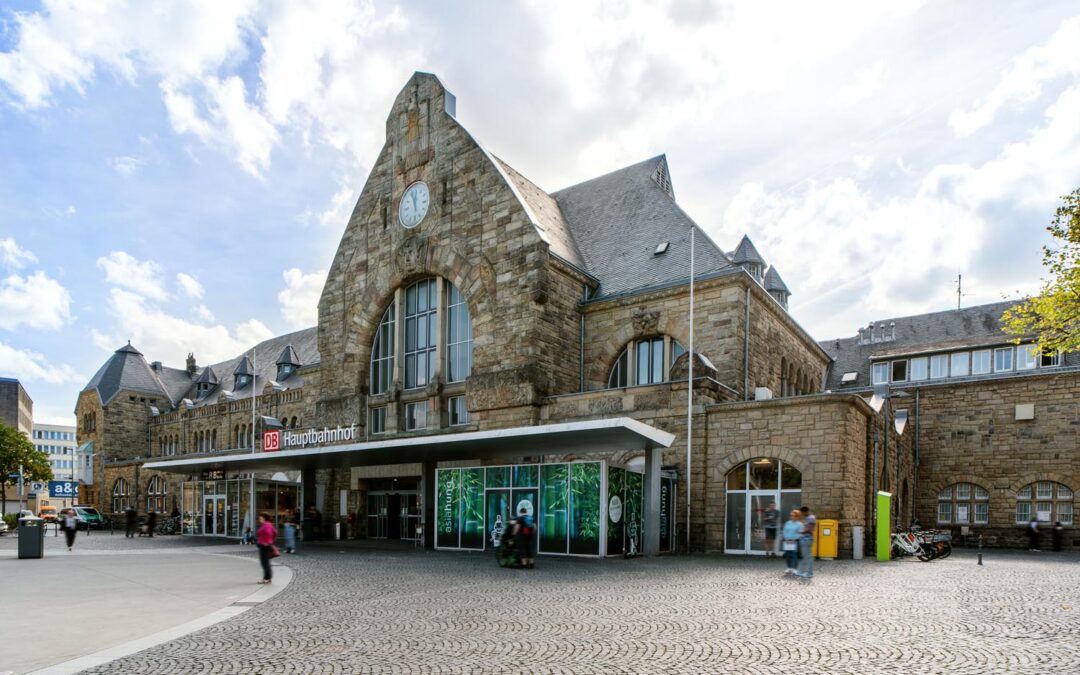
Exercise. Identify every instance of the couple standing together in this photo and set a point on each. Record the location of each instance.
(797, 539)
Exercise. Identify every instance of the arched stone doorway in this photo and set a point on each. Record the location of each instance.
(751, 487)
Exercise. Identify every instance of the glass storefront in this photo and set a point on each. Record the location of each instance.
(475, 505)
(752, 487)
(222, 507)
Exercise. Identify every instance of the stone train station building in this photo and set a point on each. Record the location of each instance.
(484, 346)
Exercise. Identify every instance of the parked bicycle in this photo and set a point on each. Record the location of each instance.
(168, 526)
(926, 545)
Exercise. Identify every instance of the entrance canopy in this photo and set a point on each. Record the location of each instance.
(585, 437)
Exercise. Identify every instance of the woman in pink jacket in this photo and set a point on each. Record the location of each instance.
(264, 537)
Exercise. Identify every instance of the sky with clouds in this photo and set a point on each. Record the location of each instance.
(179, 174)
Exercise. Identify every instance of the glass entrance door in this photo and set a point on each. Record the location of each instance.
(377, 506)
(214, 515)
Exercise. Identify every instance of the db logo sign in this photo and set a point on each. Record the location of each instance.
(271, 441)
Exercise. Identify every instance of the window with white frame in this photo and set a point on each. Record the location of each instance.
(416, 415)
(1045, 501)
(919, 369)
(378, 420)
(880, 373)
(156, 491)
(980, 362)
(618, 377)
(1003, 359)
(1049, 360)
(120, 499)
(458, 336)
(939, 366)
(899, 371)
(964, 504)
(456, 411)
(959, 364)
(1025, 357)
(421, 333)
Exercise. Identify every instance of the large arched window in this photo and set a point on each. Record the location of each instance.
(1045, 501)
(645, 361)
(155, 494)
(409, 337)
(964, 504)
(120, 498)
(753, 488)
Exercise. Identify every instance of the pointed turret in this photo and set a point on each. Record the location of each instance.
(776, 287)
(747, 257)
(126, 370)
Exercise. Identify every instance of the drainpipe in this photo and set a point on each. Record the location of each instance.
(746, 349)
(581, 355)
(915, 470)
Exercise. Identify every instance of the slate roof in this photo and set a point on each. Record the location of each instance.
(970, 327)
(206, 376)
(551, 225)
(746, 252)
(618, 219)
(127, 370)
(773, 282)
(288, 357)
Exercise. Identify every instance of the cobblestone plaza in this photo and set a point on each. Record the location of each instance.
(350, 610)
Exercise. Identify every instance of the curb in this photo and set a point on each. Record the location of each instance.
(100, 658)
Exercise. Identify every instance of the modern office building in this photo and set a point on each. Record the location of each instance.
(16, 407)
(58, 441)
(484, 345)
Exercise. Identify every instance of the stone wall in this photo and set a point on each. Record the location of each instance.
(969, 432)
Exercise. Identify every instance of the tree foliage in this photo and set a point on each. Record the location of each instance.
(16, 450)
(1053, 316)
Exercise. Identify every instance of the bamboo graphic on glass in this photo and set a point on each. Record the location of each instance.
(448, 506)
(472, 508)
(554, 507)
(585, 508)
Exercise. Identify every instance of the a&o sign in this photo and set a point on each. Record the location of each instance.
(66, 489)
(272, 440)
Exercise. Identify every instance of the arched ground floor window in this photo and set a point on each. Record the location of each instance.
(1046, 502)
(752, 488)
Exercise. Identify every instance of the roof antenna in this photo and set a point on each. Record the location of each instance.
(959, 290)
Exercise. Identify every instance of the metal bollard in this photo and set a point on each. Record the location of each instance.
(980, 550)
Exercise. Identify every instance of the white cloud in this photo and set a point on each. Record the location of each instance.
(190, 286)
(299, 299)
(1023, 82)
(35, 301)
(165, 337)
(125, 166)
(145, 278)
(30, 366)
(14, 256)
(865, 83)
(203, 313)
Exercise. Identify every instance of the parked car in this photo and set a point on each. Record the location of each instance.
(25, 513)
(3, 527)
(87, 517)
(48, 514)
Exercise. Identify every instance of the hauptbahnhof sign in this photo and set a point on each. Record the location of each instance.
(281, 439)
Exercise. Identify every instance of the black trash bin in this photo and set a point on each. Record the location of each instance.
(31, 537)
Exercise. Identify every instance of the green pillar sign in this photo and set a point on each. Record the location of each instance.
(884, 532)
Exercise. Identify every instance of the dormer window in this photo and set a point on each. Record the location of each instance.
(284, 370)
(287, 363)
(242, 381)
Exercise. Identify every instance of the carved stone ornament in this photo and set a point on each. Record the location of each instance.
(645, 322)
(410, 256)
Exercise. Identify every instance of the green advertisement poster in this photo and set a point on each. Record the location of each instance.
(472, 508)
(632, 512)
(498, 476)
(498, 513)
(447, 507)
(585, 508)
(554, 507)
(615, 534)
(526, 499)
(525, 475)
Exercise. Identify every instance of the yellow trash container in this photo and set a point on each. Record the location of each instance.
(826, 539)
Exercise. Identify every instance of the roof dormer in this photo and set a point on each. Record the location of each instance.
(747, 257)
(205, 382)
(287, 363)
(776, 287)
(243, 374)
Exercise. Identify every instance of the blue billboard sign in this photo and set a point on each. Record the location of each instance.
(66, 489)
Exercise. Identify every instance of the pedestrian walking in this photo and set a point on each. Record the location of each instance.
(151, 522)
(130, 515)
(70, 525)
(791, 535)
(771, 519)
(290, 535)
(806, 544)
(1033, 535)
(1059, 535)
(523, 529)
(264, 537)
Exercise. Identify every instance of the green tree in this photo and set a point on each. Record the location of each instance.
(1053, 316)
(16, 450)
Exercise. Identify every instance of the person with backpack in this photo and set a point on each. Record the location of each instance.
(523, 530)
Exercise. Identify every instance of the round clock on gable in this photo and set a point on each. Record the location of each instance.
(414, 204)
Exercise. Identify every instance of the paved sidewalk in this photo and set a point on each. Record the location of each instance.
(353, 611)
(109, 591)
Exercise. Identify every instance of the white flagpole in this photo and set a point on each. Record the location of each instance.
(690, 392)
(253, 400)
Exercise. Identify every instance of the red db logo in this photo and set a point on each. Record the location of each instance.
(271, 441)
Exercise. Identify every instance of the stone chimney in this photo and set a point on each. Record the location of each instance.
(191, 367)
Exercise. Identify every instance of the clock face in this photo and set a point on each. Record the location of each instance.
(414, 204)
